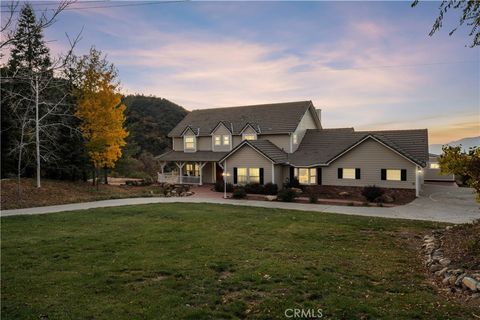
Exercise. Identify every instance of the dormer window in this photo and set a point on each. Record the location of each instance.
(217, 140)
(189, 143)
(249, 136)
(226, 140)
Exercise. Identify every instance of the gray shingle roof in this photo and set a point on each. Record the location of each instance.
(270, 118)
(270, 150)
(265, 147)
(322, 146)
(191, 156)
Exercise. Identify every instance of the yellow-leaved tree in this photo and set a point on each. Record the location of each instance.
(100, 110)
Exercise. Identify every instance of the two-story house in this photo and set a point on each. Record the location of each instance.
(276, 142)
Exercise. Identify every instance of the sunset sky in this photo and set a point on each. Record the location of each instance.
(370, 65)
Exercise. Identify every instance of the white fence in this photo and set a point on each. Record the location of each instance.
(174, 178)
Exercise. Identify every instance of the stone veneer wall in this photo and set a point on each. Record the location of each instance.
(400, 196)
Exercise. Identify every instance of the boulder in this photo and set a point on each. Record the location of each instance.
(270, 198)
(459, 279)
(440, 273)
(435, 267)
(470, 283)
(445, 261)
(344, 194)
(386, 198)
(297, 190)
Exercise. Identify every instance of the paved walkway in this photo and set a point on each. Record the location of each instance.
(437, 203)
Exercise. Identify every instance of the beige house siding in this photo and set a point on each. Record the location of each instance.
(221, 130)
(204, 144)
(280, 140)
(307, 122)
(279, 175)
(370, 157)
(207, 173)
(236, 141)
(177, 144)
(246, 157)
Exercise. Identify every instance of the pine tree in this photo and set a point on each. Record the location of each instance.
(29, 52)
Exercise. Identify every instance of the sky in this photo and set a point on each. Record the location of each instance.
(370, 65)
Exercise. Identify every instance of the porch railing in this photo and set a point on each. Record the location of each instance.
(173, 178)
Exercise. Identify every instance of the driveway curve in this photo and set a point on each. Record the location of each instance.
(436, 203)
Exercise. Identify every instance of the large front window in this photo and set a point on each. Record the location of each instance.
(306, 175)
(394, 174)
(192, 169)
(254, 175)
(189, 142)
(348, 173)
(242, 177)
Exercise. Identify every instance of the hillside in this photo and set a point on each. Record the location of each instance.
(149, 119)
(466, 143)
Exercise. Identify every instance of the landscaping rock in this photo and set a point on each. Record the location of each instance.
(270, 198)
(344, 194)
(445, 261)
(386, 198)
(470, 283)
(435, 267)
(297, 190)
(440, 273)
(459, 279)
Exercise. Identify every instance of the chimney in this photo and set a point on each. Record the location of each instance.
(319, 113)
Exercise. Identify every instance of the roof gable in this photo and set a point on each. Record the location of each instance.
(225, 124)
(189, 129)
(273, 118)
(264, 147)
(321, 147)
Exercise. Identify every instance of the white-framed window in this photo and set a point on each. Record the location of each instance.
(191, 169)
(434, 165)
(394, 174)
(295, 138)
(254, 175)
(306, 175)
(189, 142)
(348, 173)
(249, 136)
(242, 176)
(217, 140)
(226, 140)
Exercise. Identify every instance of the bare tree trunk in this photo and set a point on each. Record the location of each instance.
(19, 168)
(37, 133)
(97, 174)
(105, 173)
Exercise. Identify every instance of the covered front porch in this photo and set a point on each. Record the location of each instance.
(187, 172)
(197, 168)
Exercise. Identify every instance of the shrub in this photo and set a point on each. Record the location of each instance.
(270, 189)
(254, 188)
(292, 183)
(220, 187)
(371, 193)
(313, 197)
(287, 195)
(239, 193)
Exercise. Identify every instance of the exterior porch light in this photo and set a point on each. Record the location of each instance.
(225, 175)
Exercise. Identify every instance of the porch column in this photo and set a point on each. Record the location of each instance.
(162, 167)
(200, 169)
(180, 166)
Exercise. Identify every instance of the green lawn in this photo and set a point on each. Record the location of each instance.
(196, 261)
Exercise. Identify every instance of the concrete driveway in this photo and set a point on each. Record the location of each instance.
(437, 203)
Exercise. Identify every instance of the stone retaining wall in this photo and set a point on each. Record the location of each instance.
(458, 279)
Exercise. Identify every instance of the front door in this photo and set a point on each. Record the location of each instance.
(218, 172)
